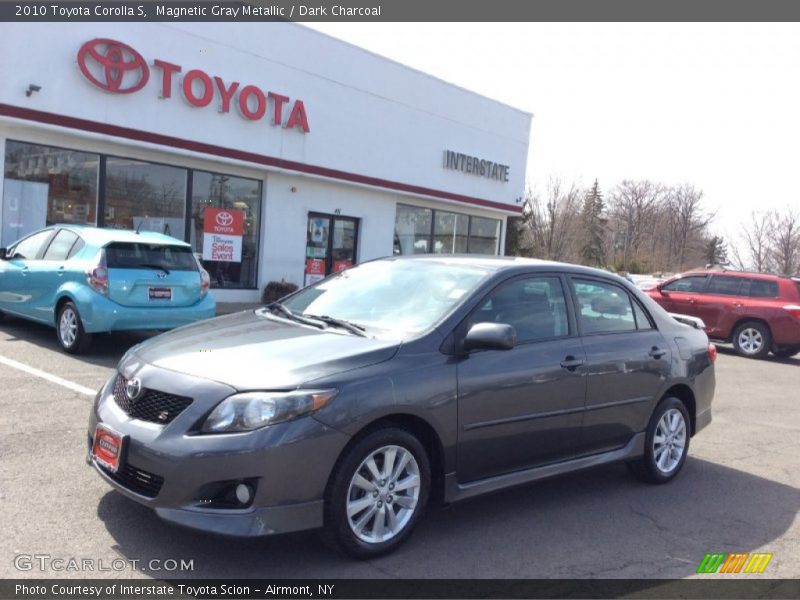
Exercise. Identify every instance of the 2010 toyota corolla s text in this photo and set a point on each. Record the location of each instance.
(352, 402)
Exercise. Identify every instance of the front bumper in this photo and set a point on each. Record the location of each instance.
(167, 467)
(102, 314)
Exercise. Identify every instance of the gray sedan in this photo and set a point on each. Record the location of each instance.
(354, 402)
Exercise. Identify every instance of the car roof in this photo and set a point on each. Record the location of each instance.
(750, 275)
(100, 236)
(505, 263)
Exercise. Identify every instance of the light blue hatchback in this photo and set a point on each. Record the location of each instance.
(85, 280)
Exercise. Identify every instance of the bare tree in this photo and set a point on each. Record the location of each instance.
(754, 249)
(633, 205)
(551, 223)
(684, 207)
(786, 242)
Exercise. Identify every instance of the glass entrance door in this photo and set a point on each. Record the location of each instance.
(331, 245)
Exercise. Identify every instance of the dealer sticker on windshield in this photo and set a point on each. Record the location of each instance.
(107, 447)
(160, 293)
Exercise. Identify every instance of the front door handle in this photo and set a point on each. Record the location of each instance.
(570, 363)
(657, 352)
(25, 270)
(60, 271)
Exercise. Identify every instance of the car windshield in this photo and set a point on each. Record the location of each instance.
(391, 298)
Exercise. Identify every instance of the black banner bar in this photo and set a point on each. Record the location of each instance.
(239, 589)
(402, 11)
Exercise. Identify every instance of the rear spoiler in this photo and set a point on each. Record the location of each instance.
(687, 320)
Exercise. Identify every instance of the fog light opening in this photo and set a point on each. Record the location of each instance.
(244, 493)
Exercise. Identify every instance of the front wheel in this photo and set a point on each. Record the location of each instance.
(69, 330)
(752, 339)
(666, 443)
(377, 493)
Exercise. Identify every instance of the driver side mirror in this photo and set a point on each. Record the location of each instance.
(3, 253)
(490, 336)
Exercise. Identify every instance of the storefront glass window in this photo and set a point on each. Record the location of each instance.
(225, 214)
(412, 230)
(145, 196)
(45, 185)
(450, 233)
(484, 235)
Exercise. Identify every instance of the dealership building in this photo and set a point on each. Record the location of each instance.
(278, 152)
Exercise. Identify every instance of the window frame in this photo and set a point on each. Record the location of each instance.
(69, 250)
(40, 253)
(721, 276)
(431, 236)
(631, 299)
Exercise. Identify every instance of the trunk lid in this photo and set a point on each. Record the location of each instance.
(144, 274)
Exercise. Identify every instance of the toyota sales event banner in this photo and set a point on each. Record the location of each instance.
(222, 234)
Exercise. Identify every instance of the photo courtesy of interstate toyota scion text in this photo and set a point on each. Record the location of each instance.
(353, 403)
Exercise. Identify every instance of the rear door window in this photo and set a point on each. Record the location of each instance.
(690, 284)
(61, 245)
(724, 285)
(759, 288)
(120, 255)
(607, 309)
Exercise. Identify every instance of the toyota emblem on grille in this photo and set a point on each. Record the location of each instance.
(133, 388)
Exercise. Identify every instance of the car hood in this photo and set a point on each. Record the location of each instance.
(248, 351)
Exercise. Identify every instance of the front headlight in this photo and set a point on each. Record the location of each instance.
(252, 410)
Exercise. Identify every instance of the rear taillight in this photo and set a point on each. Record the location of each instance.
(97, 274)
(205, 281)
(793, 310)
(712, 352)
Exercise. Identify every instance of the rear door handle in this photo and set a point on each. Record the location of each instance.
(570, 363)
(60, 271)
(25, 270)
(657, 352)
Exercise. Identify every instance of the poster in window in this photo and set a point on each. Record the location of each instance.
(223, 230)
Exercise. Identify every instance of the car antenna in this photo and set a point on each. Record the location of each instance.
(139, 226)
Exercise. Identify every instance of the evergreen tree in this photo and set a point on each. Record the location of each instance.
(716, 252)
(593, 227)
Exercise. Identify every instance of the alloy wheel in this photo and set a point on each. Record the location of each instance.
(750, 340)
(383, 494)
(68, 327)
(669, 441)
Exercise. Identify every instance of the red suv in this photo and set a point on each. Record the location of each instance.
(758, 313)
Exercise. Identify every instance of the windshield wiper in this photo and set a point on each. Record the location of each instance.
(351, 327)
(278, 307)
(155, 266)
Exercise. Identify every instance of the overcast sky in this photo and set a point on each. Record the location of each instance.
(714, 105)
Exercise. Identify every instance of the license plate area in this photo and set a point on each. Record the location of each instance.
(159, 293)
(108, 447)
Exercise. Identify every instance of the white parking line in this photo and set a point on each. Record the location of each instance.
(49, 377)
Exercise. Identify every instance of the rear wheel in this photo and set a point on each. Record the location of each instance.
(377, 493)
(787, 352)
(69, 330)
(752, 339)
(666, 443)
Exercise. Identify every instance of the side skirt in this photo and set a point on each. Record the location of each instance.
(455, 491)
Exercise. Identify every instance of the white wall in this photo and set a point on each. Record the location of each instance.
(367, 115)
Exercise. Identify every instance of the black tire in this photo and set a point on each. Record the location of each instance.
(788, 352)
(752, 339)
(342, 489)
(647, 467)
(72, 338)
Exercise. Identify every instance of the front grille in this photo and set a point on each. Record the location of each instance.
(151, 405)
(136, 480)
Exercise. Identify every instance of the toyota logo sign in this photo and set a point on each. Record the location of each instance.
(224, 219)
(113, 66)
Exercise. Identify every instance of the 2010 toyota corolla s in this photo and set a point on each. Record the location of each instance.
(352, 402)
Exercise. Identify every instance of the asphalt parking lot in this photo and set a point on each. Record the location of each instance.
(739, 492)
